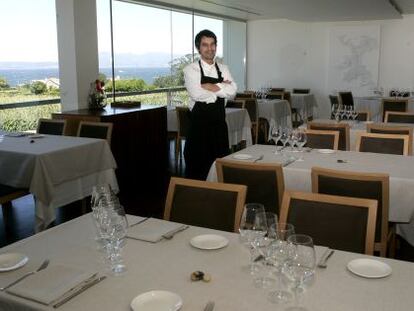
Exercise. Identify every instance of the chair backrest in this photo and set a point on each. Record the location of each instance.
(396, 130)
(252, 108)
(322, 139)
(244, 95)
(389, 104)
(301, 91)
(342, 128)
(363, 115)
(102, 130)
(342, 223)
(51, 127)
(206, 204)
(399, 117)
(287, 96)
(235, 103)
(382, 143)
(346, 98)
(334, 100)
(358, 185)
(277, 89)
(183, 120)
(264, 181)
(275, 95)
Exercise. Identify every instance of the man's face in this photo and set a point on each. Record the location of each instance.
(207, 49)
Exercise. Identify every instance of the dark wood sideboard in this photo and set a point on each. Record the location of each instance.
(139, 145)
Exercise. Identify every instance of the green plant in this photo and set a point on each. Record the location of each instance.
(3, 84)
(38, 87)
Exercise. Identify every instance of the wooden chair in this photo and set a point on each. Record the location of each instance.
(102, 130)
(264, 181)
(399, 117)
(342, 223)
(396, 130)
(51, 127)
(275, 95)
(363, 115)
(342, 128)
(206, 204)
(322, 139)
(183, 124)
(383, 143)
(396, 105)
(277, 89)
(235, 104)
(301, 91)
(8, 194)
(364, 186)
(346, 99)
(244, 95)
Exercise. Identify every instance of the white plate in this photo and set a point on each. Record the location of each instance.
(369, 268)
(242, 156)
(326, 151)
(157, 300)
(209, 241)
(36, 136)
(12, 261)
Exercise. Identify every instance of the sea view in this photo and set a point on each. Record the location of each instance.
(20, 76)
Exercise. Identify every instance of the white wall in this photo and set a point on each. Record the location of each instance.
(291, 54)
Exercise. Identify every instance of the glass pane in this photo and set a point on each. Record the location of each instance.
(28, 61)
(215, 25)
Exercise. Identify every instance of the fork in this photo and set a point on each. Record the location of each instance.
(44, 265)
(209, 306)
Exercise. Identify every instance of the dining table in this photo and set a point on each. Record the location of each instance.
(56, 170)
(238, 125)
(275, 111)
(373, 105)
(167, 265)
(298, 165)
(304, 104)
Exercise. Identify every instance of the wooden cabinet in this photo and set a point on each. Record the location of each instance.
(139, 145)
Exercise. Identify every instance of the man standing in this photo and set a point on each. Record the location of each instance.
(208, 84)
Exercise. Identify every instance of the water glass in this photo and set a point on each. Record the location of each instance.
(276, 133)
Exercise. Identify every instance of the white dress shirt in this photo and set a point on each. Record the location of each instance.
(192, 76)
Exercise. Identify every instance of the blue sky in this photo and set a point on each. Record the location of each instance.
(31, 30)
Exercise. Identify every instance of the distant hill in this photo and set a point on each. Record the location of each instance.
(146, 60)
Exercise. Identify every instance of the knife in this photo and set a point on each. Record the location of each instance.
(169, 235)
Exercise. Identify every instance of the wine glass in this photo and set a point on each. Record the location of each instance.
(284, 137)
(278, 253)
(348, 112)
(301, 139)
(293, 140)
(276, 133)
(301, 265)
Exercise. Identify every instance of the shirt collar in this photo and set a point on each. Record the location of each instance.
(206, 65)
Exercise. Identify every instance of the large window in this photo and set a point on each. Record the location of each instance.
(28, 61)
(151, 48)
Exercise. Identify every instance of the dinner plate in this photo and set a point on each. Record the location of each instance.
(157, 300)
(12, 261)
(242, 156)
(36, 136)
(326, 151)
(209, 241)
(369, 268)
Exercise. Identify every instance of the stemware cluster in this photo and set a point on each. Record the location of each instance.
(262, 92)
(279, 258)
(293, 137)
(344, 112)
(111, 226)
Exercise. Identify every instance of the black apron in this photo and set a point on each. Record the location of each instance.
(208, 136)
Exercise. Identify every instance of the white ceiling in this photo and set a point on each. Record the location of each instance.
(299, 10)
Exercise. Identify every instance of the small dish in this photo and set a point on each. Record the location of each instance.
(369, 268)
(242, 156)
(326, 151)
(157, 300)
(209, 241)
(12, 261)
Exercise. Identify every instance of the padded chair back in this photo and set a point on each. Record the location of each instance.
(342, 223)
(252, 108)
(342, 128)
(301, 91)
(383, 143)
(205, 204)
(322, 139)
(346, 99)
(235, 104)
(275, 95)
(389, 104)
(265, 182)
(363, 116)
(358, 185)
(183, 119)
(399, 117)
(396, 130)
(277, 89)
(51, 127)
(102, 130)
(244, 95)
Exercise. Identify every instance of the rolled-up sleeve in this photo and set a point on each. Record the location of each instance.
(192, 83)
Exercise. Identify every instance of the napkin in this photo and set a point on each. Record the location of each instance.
(52, 284)
(152, 230)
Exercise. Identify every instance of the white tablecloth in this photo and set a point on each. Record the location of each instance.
(57, 170)
(167, 265)
(238, 125)
(298, 175)
(304, 103)
(373, 105)
(275, 111)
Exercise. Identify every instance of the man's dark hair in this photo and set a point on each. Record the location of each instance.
(204, 33)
